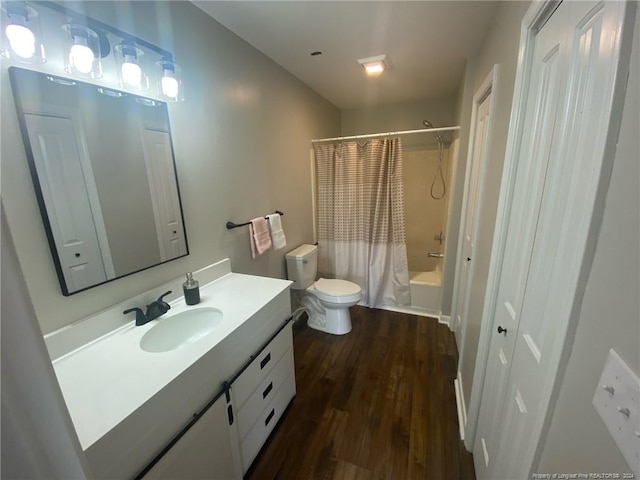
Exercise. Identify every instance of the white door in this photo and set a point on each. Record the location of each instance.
(164, 193)
(469, 229)
(56, 154)
(558, 170)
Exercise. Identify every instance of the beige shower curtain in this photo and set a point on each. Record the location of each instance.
(360, 218)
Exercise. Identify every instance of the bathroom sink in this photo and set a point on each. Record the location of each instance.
(181, 329)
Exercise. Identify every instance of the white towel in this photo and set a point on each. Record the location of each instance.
(277, 234)
(259, 236)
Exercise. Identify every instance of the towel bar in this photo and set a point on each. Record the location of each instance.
(231, 225)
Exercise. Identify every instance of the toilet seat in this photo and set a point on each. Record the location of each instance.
(335, 290)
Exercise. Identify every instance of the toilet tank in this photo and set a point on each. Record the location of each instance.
(302, 264)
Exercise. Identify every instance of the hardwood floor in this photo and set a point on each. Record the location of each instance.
(378, 403)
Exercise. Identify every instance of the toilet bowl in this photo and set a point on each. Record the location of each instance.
(327, 301)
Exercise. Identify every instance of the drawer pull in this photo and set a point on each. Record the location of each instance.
(230, 414)
(269, 417)
(267, 390)
(265, 360)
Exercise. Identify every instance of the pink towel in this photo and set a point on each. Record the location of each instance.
(259, 236)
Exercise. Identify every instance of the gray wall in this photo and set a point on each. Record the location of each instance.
(401, 116)
(578, 440)
(500, 47)
(241, 141)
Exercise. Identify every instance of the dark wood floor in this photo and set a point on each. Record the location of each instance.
(378, 403)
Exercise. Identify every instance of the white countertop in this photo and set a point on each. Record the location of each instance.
(106, 380)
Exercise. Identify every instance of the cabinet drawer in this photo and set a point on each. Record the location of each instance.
(263, 395)
(250, 446)
(260, 367)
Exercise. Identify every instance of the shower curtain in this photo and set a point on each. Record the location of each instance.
(360, 218)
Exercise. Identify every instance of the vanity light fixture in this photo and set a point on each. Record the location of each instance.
(129, 59)
(374, 65)
(170, 86)
(21, 28)
(86, 48)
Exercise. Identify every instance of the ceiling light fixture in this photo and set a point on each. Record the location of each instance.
(374, 65)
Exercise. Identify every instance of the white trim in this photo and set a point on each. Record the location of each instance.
(410, 311)
(445, 320)
(460, 406)
(488, 87)
(387, 134)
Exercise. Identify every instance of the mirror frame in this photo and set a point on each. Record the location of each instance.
(20, 110)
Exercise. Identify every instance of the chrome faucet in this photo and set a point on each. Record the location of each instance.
(435, 255)
(154, 310)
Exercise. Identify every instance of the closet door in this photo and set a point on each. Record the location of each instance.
(573, 73)
(64, 182)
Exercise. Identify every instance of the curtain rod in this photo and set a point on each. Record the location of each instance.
(385, 134)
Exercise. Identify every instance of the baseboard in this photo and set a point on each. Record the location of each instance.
(445, 320)
(411, 311)
(462, 411)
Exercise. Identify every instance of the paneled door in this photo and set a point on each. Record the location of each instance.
(164, 193)
(64, 184)
(469, 227)
(560, 157)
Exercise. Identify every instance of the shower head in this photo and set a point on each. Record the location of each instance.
(428, 124)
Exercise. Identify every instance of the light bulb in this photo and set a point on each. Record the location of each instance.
(82, 58)
(131, 74)
(22, 40)
(170, 86)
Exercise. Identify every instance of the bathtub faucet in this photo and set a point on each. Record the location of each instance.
(435, 255)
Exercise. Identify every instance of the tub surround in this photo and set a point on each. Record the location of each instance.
(126, 403)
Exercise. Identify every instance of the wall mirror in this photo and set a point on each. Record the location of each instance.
(104, 175)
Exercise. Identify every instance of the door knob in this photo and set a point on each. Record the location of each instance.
(502, 330)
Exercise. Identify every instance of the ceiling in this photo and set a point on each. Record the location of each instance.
(426, 43)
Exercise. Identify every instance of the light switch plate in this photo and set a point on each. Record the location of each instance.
(617, 400)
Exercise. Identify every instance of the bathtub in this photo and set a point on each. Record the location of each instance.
(426, 291)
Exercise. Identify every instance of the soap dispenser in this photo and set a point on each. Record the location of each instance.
(191, 290)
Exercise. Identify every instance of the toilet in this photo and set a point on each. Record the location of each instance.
(327, 300)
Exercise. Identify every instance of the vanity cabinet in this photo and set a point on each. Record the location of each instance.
(204, 451)
(223, 442)
(261, 393)
(141, 414)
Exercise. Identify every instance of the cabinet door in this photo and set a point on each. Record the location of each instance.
(204, 452)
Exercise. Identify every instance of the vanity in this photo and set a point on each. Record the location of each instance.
(170, 405)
